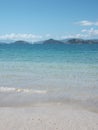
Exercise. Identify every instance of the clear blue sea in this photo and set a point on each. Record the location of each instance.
(31, 74)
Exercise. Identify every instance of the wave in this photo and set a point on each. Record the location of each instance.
(20, 90)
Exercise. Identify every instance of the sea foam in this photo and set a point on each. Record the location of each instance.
(20, 90)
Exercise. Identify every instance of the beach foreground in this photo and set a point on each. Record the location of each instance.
(48, 117)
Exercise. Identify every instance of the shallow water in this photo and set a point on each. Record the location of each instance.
(48, 73)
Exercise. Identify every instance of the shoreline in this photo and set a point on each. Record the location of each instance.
(73, 103)
(48, 117)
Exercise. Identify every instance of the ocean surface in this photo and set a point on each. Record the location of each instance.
(31, 74)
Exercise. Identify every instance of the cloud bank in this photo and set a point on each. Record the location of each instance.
(85, 33)
(91, 31)
(19, 36)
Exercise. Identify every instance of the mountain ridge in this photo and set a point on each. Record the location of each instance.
(53, 41)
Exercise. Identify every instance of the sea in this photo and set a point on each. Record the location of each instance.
(32, 74)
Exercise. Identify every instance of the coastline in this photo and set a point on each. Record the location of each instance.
(48, 117)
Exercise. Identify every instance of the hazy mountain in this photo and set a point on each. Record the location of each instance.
(53, 41)
(21, 42)
(82, 41)
(75, 41)
(71, 41)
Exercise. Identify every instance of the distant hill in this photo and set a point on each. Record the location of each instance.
(16, 43)
(53, 41)
(71, 41)
(81, 41)
(94, 41)
(75, 41)
(21, 42)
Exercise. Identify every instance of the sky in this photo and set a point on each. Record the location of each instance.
(36, 20)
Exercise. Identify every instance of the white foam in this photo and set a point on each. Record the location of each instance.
(40, 91)
(6, 89)
(20, 90)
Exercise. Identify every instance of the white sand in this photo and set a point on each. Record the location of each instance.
(48, 117)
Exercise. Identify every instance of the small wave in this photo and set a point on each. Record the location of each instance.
(40, 91)
(20, 90)
(6, 89)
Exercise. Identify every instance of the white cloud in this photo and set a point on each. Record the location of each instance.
(91, 31)
(78, 35)
(19, 36)
(85, 33)
(87, 23)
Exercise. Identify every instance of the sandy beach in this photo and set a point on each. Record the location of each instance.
(48, 117)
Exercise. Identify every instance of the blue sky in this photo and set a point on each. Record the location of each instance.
(36, 20)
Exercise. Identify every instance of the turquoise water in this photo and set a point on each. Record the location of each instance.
(48, 73)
